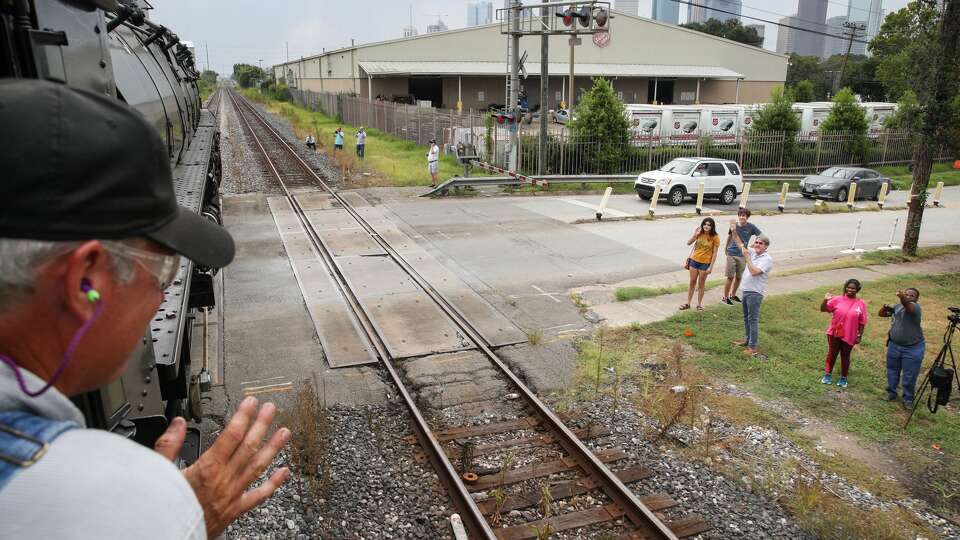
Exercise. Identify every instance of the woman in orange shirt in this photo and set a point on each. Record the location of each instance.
(700, 263)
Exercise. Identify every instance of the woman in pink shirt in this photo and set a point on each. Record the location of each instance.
(845, 330)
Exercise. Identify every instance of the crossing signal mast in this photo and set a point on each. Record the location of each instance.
(543, 19)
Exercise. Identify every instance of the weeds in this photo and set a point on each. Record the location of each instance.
(578, 301)
(534, 337)
(309, 424)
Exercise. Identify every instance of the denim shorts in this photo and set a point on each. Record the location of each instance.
(698, 265)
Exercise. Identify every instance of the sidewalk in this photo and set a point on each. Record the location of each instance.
(647, 310)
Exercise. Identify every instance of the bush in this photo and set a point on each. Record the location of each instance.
(848, 116)
(600, 116)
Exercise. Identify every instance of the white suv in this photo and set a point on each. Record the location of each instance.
(679, 179)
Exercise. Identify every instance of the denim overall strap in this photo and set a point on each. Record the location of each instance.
(25, 438)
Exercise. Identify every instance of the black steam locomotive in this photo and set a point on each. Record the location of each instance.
(112, 47)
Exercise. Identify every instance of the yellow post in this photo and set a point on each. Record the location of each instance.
(852, 195)
(783, 197)
(745, 195)
(937, 194)
(700, 189)
(653, 201)
(882, 197)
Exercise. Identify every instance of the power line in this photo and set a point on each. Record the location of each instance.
(695, 4)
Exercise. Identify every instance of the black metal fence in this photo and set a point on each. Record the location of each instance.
(566, 154)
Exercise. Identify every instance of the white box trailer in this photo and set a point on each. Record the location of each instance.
(684, 124)
(877, 113)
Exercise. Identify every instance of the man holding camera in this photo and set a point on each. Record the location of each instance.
(905, 345)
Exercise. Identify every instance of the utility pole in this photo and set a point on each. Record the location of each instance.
(937, 107)
(574, 41)
(207, 47)
(512, 107)
(544, 89)
(854, 29)
(288, 52)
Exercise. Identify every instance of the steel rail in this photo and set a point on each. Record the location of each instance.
(639, 515)
(469, 511)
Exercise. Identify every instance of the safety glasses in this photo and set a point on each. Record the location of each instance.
(162, 267)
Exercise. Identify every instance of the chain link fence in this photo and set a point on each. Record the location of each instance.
(566, 154)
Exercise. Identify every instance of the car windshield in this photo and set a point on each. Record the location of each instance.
(679, 166)
(837, 172)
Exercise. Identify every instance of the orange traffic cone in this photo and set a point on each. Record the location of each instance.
(688, 332)
(956, 164)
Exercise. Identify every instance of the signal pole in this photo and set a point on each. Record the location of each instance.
(544, 91)
(512, 107)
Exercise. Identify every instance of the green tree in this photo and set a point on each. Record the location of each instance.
(846, 114)
(905, 46)
(938, 104)
(803, 92)
(209, 77)
(807, 68)
(600, 116)
(777, 115)
(907, 115)
(247, 75)
(849, 117)
(730, 29)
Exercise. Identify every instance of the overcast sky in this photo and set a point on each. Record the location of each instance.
(251, 30)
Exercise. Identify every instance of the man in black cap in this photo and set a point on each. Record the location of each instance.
(90, 236)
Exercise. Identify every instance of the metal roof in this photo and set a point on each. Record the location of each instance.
(556, 68)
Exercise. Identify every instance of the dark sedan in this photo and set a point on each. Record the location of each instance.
(834, 183)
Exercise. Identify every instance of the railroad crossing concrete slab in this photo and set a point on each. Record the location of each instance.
(412, 325)
(375, 276)
(340, 334)
(333, 218)
(269, 338)
(347, 242)
(316, 200)
(457, 379)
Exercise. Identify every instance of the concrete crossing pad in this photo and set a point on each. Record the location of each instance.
(343, 342)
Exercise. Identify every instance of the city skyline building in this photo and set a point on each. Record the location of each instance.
(439, 26)
(479, 13)
(708, 9)
(666, 11)
(786, 36)
(869, 13)
(835, 45)
(811, 15)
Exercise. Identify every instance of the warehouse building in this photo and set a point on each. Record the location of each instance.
(646, 60)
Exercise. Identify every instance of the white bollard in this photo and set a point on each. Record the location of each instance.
(882, 198)
(653, 201)
(937, 193)
(783, 197)
(603, 202)
(856, 236)
(852, 195)
(745, 195)
(890, 245)
(700, 189)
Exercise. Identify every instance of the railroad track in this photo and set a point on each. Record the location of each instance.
(213, 103)
(616, 511)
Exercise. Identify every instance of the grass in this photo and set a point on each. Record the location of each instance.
(657, 362)
(792, 335)
(902, 178)
(872, 258)
(389, 161)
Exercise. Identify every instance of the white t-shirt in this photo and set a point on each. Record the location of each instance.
(92, 483)
(434, 154)
(757, 283)
(361, 137)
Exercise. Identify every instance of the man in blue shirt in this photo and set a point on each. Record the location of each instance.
(735, 261)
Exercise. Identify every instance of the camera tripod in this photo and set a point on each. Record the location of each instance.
(940, 361)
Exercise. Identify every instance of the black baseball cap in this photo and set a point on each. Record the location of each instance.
(78, 165)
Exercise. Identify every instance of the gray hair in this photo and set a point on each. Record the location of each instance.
(765, 239)
(20, 259)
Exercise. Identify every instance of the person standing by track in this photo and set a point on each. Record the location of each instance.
(338, 139)
(706, 243)
(735, 260)
(361, 142)
(905, 345)
(754, 282)
(845, 329)
(433, 162)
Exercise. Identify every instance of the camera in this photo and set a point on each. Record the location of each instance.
(954, 316)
